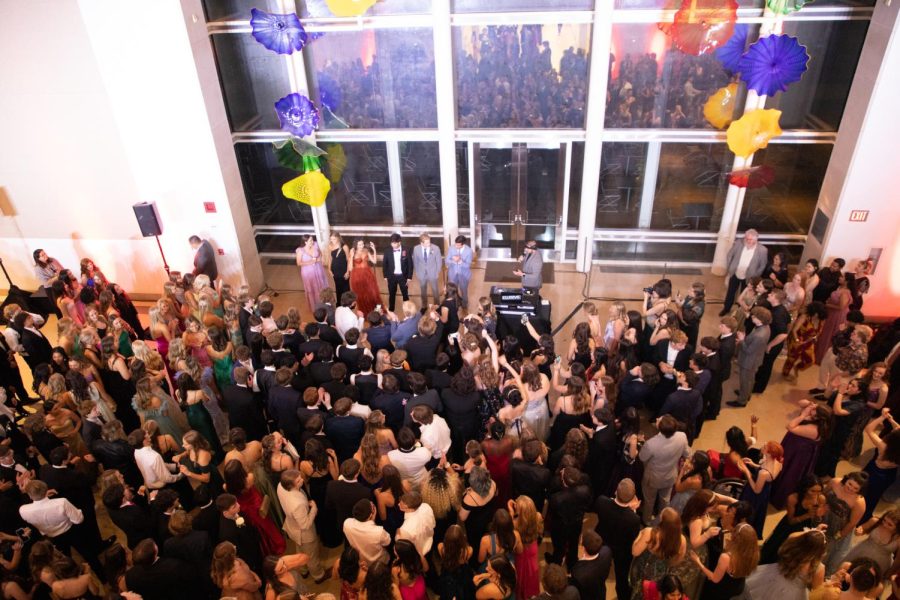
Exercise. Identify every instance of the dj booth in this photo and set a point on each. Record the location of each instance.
(511, 304)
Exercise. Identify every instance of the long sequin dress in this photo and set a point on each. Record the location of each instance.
(313, 275)
(364, 285)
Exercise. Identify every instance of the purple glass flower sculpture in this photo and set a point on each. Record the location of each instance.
(772, 63)
(297, 114)
(730, 54)
(281, 33)
(329, 92)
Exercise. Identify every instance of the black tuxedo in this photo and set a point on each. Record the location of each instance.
(283, 404)
(400, 374)
(726, 354)
(341, 496)
(666, 386)
(320, 372)
(531, 480)
(345, 433)
(265, 381)
(618, 526)
(10, 377)
(118, 455)
(429, 398)
(134, 521)
(565, 514)
(388, 265)
(350, 357)
(312, 347)
(243, 411)
(205, 261)
(685, 406)
(603, 455)
(76, 488)
(166, 579)
(245, 539)
(422, 350)
(590, 576)
(391, 404)
(327, 333)
(194, 548)
(633, 392)
(38, 349)
(207, 519)
(712, 397)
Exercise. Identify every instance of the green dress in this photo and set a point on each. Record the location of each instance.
(200, 421)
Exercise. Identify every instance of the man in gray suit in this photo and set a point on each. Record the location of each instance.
(751, 352)
(660, 455)
(427, 266)
(747, 258)
(532, 265)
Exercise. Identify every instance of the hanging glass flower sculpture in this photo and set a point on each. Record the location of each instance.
(753, 131)
(280, 33)
(291, 153)
(752, 178)
(730, 54)
(349, 8)
(719, 108)
(297, 114)
(310, 188)
(786, 7)
(702, 25)
(772, 63)
(330, 94)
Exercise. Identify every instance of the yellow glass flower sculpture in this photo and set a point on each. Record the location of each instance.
(310, 188)
(719, 108)
(753, 131)
(349, 8)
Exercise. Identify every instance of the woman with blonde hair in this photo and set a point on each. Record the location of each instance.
(232, 575)
(159, 330)
(442, 490)
(67, 335)
(89, 342)
(616, 325)
(739, 559)
(375, 425)
(149, 404)
(530, 526)
(593, 321)
(382, 361)
(371, 460)
(152, 360)
(196, 340)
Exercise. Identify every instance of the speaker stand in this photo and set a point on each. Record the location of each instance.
(163, 254)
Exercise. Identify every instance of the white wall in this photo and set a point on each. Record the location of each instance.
(101, 108)
(864, 167)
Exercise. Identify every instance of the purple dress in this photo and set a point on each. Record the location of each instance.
(313, 275)
(800, 456)
(836, 318)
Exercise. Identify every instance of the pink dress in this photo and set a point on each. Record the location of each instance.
(416, 591)
(528, 576)
(313, 275)
(836, 318)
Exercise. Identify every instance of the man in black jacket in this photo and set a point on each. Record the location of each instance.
(156, 578)
(129, 516)
(727, 345)
(327, 332)
(397, 266)
(637, 387)
(204, 259)
(566, 513)
(685, 403)
(61, 476)
(37, 349)
(618, 525)
(671, 355)
(422, 347)
(283, 404)
(591, 571)
(712, 397)
(391, 401)
(344, 430)
(529, 476)
(242, 407)
(421, 395)
(234, 528)
(603, 450)
(343, 494)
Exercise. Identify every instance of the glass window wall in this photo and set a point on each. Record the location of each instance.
(360, 184)
(622, 167)
(521, 76)
(263, 177)
(375, 78)
(690, 187)
(420, 171)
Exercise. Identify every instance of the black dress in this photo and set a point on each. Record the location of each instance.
(338, 270)
(326, 518)
(728, 587)
(122, 391)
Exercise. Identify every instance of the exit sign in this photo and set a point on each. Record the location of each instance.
(858, 216)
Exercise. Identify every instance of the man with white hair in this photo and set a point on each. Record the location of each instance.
(747, 258)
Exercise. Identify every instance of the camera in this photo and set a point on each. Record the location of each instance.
(649, 290)
(524, 319)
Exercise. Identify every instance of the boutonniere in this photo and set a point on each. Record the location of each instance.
(403, 254)
(239, 521)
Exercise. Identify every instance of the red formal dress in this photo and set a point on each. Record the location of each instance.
(363, 284)
(270, 538)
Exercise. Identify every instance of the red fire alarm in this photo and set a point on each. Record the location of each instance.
(209, 207)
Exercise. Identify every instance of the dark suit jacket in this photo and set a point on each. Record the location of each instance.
(312, 347)
(429, 398)
(632, 392)
(345, 433)
(422, 350)
(283, 404)
(72, 486)
(207, 519)
(685, 406)
(205, 261)
(135, 521)
(320, 372)
(618, 526)
(681, 359)
(726, 354)
(37, 347)
(531, 480)
(245, 539)
(392, 407)
(327, 333)
(379, 337)
(589, 576)
(406, 264)
(244, 411)
(166, 579)
(603, 456)
(713, 394)
(342, 495)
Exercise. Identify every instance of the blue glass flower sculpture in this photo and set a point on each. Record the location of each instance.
(280, 33)
(772, 63)
(730, 54)
(297, 114)
(329, 92)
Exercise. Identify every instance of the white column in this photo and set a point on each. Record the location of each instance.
(596, 113)
(393, 159)
(734, 197)
(446, 116)
(648, 193)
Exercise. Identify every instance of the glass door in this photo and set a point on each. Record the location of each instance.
(518, 196)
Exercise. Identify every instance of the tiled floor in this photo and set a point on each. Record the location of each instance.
(565, 294)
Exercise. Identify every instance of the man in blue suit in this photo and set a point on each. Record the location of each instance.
(459, 267)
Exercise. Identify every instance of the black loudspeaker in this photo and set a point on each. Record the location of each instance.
(148, 219)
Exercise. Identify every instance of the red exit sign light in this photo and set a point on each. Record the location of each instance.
(858, 216)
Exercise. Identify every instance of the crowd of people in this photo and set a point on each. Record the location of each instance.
(640, 95)
(511, 80)
(235, 448)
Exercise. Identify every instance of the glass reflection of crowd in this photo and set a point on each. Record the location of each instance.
(639, 96)
(398, 94)
(512, 81)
